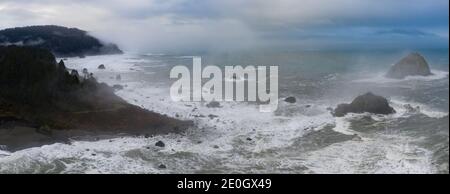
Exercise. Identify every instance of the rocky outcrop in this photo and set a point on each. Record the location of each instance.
(412, 65)
(213, 104)
(117, 87)
(101, 66)
(290, 99)
(160, 144)
(365, 103)
(37, 91)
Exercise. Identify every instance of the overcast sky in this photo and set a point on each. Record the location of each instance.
(177, 25)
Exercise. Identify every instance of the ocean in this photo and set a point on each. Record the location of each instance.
(297, 138)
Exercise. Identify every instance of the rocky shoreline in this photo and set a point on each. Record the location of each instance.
(42, 102)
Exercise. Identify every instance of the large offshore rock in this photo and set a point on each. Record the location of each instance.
(412, 65)
(365, 103)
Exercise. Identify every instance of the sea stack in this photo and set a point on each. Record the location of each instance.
(101, 66)
(368, 102)
(412, 65)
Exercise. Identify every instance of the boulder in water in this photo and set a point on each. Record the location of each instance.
(412, 65)
(213, 104)
(101, 66)
(211, 116)
(290, 99)
(117, 87)
(160, 144)
(365, 103)
(162, 166)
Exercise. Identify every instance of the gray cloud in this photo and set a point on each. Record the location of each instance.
(169, 25)
(406, 32)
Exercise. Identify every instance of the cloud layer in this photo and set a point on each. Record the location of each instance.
(183, 25)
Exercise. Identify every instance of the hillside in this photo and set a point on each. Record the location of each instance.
(37, 91)
(61, 41)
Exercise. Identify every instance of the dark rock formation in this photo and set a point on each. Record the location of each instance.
(411, 65)
(61, 41)
(211, 116)
(290, 99)
(37, 91)
(160, 144)
(365, 103)
(162, 166)
(101, 66)
(117, 87)
(213, 104)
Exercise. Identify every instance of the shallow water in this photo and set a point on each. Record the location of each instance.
(297, 138)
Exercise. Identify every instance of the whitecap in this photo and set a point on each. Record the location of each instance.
(380, 77)
(402, 110)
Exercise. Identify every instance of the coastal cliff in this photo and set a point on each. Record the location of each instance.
(61, 41)
(38, 92)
